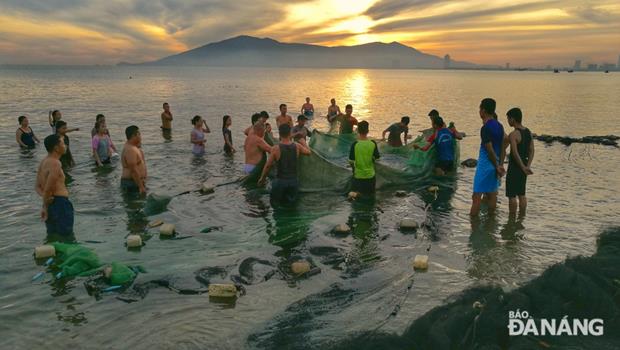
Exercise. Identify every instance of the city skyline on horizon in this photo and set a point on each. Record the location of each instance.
(492, 32)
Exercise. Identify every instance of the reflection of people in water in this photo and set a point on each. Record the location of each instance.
(364, 223)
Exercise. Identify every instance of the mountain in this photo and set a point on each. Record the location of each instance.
(247, 51)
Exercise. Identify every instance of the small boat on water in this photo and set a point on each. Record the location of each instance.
(570, 70)
(606, 71)
(556, 71)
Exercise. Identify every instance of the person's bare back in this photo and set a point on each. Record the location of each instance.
(254, 148)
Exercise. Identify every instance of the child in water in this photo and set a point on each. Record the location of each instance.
(228, 144)
(197, 136)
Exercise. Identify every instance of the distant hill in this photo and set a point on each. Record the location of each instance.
(247, 51)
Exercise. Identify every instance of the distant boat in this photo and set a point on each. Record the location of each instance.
(556, 71)
(570, 70)
(606, 71)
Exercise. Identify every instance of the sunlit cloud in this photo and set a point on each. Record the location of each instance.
(524, 32)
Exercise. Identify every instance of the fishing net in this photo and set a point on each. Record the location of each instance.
(579, 288)
(398, 165)
(156, 204)
(328, 168)
(75, 260)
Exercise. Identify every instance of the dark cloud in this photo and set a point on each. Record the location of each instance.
(592, 14)
(390, 8)
(445, 20)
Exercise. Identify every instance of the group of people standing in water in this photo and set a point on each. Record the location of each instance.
(57, 210)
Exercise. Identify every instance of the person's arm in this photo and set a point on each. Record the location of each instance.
(383, 134)
(111, 143)
(206, 129)
(35, 136)
(531, 155)
(502, 152)
(18, 137)
(514, 152)
(352, 155)
(429, 143)
(49, 188)
(375, 153)
(132, 165)
(50, 119)
(74, 129)
(275, 154)
(229, 143)
(110, 146)
(457, 135)
(95, 146)
(264, 146)
(303, 149)
(406, 133)
(425, 148)
(499, 168)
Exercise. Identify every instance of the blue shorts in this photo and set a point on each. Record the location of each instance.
(60, 217)
(486, 179)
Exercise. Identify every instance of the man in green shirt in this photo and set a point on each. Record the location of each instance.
(362, 157)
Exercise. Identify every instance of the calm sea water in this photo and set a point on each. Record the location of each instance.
(572, 196)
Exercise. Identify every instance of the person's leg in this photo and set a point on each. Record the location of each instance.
(512, 205)
(276, 191)
(491, 202)
(291, 191)
(476, 201)
(522, 204)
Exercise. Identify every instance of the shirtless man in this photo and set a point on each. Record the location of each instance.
(166, 118)
(57, 210)
(255, 118)
(255, 146)
(333, 111)
(284, 118)
(133, 179)
(308, 108)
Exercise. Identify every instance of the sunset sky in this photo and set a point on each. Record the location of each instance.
(524, 33)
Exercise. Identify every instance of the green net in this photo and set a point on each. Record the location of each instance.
(76, 260)
(156, 204)
(328, 167)
(121, 274)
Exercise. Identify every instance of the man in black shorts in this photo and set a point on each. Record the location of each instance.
(362, 156)
(519, 162)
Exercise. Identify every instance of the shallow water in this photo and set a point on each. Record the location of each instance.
(572, 196)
